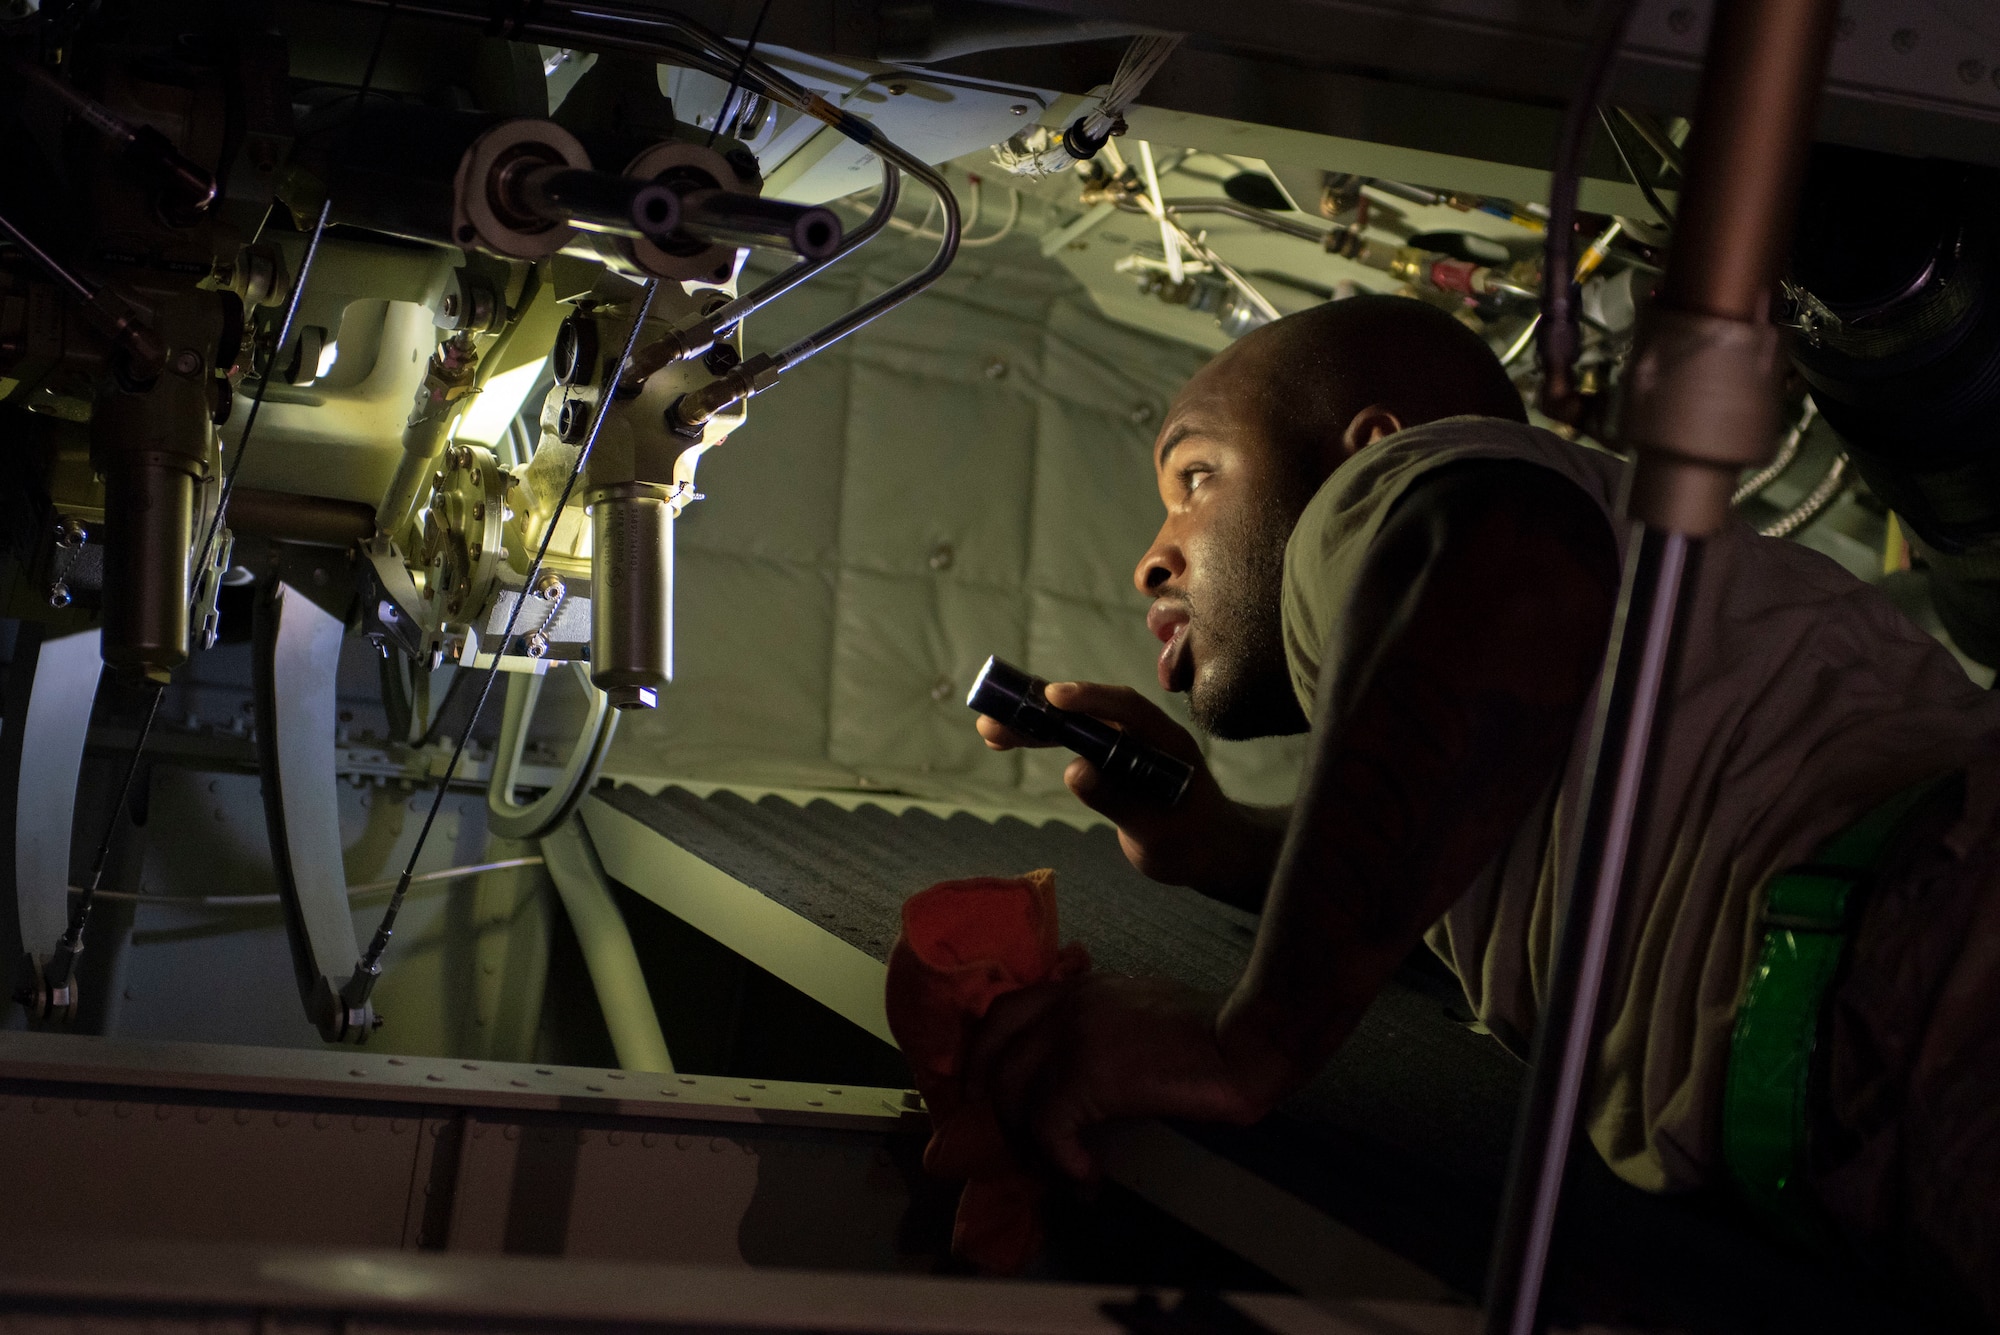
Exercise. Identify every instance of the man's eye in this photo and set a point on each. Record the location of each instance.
(1192, 477)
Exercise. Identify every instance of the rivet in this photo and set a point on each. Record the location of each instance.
(121, 1110)
(614, 1138)
(513, 1131)
(543, 1070)
(82, 1108)
(1141, 414)
(942, 556)
(321, 1121)
(242, 1117)
(397, 1061)
(687, 1079)
(357, 1071)
(942, 689)
(1019, 109)
(433, 1075)
(518, 1084)
(683, 1142)
(1904, 40)
(646, 1140)
(1680, 22)
(163, 1112)
(469, 1066)
(741, 1098)
(202, 1115)
(996, 369)
(718, 1145)
(1971, 71)
(281, 1119)
(397, 1126)
(361, 1124)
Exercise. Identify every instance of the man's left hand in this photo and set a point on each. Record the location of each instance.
(1061, 1058)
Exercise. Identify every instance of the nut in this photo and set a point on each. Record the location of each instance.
(59, 595)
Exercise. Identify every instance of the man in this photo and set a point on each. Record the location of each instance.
(1363, 534)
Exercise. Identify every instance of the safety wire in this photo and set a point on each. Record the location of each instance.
(369, 967)
(62, 964)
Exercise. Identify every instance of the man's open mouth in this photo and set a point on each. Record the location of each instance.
(1171, 622)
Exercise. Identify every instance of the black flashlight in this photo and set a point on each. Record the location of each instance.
(1011, 697)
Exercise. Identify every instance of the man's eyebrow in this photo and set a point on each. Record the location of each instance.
(1176, 433)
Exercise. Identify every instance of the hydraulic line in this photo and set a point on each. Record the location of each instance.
(699, 337)
(1559, 299)
(1788, 450)
(1814, 504)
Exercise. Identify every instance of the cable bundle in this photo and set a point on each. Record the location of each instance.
(1088, 134)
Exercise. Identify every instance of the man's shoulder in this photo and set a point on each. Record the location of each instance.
(1363, 489)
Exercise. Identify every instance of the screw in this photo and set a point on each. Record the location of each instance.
(187, 362)
(721, 359)
(59, 594)
(1904, 40)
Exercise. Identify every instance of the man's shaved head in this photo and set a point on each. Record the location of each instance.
(1242, 450)
(1312, 372)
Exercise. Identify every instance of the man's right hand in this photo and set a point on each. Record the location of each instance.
(1219, 847)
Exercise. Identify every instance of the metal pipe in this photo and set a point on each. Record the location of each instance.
(594, 201)
(614, 968)
(448, 379)
(314, 521)
(699, 337)
(145, 351)
(809, 231)
(1753, 123)
(1700, 406)
(1628, 702)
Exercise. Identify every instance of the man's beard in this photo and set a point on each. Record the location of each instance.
(1243, 687)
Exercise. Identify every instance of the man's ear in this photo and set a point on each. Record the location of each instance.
(1368, 426)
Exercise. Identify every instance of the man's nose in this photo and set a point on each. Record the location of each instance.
(1162, 565)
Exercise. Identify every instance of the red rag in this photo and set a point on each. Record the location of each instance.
(964, 944)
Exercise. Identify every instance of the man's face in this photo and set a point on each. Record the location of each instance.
(1214, 571)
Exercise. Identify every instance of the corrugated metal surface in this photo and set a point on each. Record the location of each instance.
(1404, 1136)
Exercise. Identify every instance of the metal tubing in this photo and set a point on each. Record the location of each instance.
(1627, 707)
(1753, 124)
(699, 337)
(534, 820)
(809, 231)
(314, 521)
(1767, 59)
(615, 974)
(598, 202)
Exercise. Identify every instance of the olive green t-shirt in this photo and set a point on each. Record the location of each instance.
(1802, 698)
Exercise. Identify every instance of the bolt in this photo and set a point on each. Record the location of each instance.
(1904, 40)
(59, 594)
(1019, 108)
(538, 644)
(70, 532)
(187, 362)
(550, 586)
(450, 306)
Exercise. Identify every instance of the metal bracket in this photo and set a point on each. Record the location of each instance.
(49, 694)
(297, 665)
